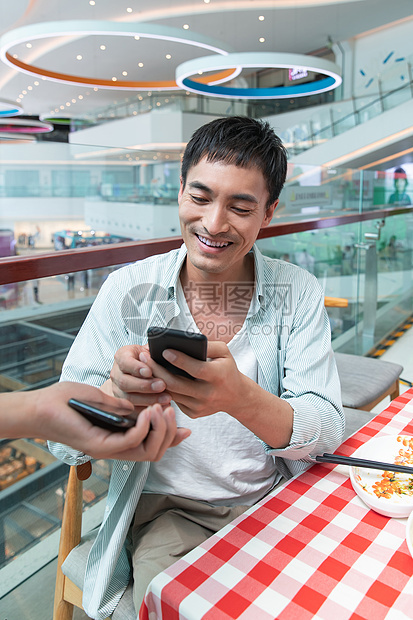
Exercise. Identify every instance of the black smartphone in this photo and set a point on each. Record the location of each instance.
(105, 419)
(161, 338)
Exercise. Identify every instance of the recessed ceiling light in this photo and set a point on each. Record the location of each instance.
(62, 107)
(29, 45)
(136, 37)
(114, 79)
(36, 83)
(95, 89)
(134, 113)
(79, 57)
(140, 64)
(261, 18)
(30, 88)
(18, 99)
(129, 10)
(103, 47)
(92, 2)
(207, 1)
(124, 73)
(261, 40)
(15, 56)
(168, 57)
(73, 100)
(24, 92)
(68, 103)
(80, 97)
(185, 27)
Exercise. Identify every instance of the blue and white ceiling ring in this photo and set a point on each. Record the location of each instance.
(259, 60)
(9, 108)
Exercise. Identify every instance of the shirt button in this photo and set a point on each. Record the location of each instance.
(125, 467)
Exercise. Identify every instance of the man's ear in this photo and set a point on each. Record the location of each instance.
(269, 212)
(181, 188)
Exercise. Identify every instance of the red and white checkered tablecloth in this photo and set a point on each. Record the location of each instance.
(310, 549)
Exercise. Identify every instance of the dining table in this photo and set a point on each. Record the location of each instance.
(310, 549)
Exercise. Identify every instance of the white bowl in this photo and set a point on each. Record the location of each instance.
(385, 500)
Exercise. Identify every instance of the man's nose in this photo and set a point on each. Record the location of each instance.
(215, 219)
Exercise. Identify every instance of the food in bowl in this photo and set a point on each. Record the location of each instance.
(389, 493)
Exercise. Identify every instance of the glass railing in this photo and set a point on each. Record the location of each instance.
(335, 223)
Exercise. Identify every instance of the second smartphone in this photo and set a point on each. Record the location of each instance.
(161, 338)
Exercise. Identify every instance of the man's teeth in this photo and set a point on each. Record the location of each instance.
(213, 244)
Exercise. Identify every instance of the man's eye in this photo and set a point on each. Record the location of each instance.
(199, 199)
(240, 210)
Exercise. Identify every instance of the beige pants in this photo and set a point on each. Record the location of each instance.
(167, 527)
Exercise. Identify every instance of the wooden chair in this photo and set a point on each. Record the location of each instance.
(67, 594)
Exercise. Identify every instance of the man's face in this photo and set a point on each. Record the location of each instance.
(221, 210)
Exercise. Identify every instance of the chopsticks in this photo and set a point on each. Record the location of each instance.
(338, 459)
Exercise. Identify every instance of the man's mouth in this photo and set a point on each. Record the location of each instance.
(214, 244)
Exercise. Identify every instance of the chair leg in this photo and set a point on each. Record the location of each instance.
(71, 532)
(395, 393)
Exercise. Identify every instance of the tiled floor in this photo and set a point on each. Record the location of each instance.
(33, 600)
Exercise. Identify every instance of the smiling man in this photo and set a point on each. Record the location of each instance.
(263, 405)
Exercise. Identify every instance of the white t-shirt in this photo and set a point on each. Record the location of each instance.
(222, 462)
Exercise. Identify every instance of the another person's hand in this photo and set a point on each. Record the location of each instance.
(133, 380)
(45, 414)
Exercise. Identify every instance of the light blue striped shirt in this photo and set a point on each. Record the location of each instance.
(289, 333)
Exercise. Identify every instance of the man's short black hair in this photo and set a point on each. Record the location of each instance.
(243, 142)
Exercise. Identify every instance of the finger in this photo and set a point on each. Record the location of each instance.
(192, 366)
(156, 436)
(128, 384)
(147, 400)
(169, 418)
(217, 348)
(126, 361)
(181, 434)
(105, 444)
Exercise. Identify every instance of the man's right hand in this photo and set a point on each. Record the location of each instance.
(132, 379)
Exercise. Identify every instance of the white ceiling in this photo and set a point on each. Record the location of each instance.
(298, 26)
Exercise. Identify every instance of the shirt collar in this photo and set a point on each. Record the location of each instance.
(258, 299)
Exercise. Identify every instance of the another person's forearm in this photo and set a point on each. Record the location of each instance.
(19, 416)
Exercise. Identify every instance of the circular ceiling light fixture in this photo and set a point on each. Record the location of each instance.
(259, 60)
(24, 126)
(9, 108)
(82, 28)
(56, 120)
